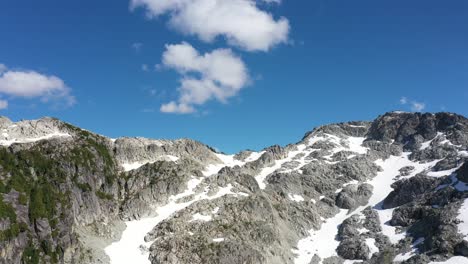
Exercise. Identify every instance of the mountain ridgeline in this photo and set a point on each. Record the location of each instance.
(393, 190)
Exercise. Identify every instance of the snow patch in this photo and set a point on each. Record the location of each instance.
(370, 242)
(414, 250)
(463, 217)
(323, 243)
(128, 248)
(296, 198)
(9, 142)
(453, 260)
(200, 217)
(138, 164)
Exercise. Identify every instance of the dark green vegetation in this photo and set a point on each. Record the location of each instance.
(44, 175)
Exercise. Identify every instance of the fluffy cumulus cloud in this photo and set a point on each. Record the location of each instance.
(414, 105)
(217, 75)
(31, 84)
(241, 22)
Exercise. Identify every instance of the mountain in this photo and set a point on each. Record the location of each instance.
(393, 190)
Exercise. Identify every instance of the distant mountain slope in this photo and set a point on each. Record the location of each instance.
(392, 190)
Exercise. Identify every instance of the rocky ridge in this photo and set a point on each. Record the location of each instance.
(390, 190)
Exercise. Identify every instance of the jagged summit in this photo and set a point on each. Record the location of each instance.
(389, 190)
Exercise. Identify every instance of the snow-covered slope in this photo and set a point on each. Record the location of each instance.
(393, 190)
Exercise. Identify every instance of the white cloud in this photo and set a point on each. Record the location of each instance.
(241, 22)
(417, 106)
(403, 100)
(144, 67)
(179, 108)
(3, 104)
(3, 68)
(137, 46)
(217, 75)
(31, 84)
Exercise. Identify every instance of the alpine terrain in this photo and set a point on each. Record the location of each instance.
(393, 190)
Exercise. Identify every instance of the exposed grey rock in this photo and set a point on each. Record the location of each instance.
(406, 171)
(448, 163)
(461, 249)
(82, 176)
(353, 249)
(130, 150)
(462, 173)
(354, 195)
(407, 190)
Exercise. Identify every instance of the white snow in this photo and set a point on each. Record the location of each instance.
(9, 142)
(268, 170)
(221, 239)
(133, 166)
(128, 248)
(353, 144)
(370, 242)
(355, 126)
(407, 255)
(442, 173)
(200, 217)
(296, 198)
(385, 215)
(351, 182)
(227, 160)
(254, 156)
(453, 260)
(463, 217)
(138, 164)
(362, 230)
(172, 158)
(427, 144)
(323, 243)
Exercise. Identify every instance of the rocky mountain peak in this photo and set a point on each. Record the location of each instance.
(390, 190)
(403, 127)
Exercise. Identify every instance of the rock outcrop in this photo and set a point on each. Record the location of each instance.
(390, 190)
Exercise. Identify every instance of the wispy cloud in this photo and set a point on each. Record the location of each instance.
(137, 46)
(241, 22)
(3, 68)
(403, 100)
(3, 104)
(31, 84)
(417, 106)
(217, 75)
(414, 105)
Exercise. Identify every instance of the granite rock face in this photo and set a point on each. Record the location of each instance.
(390, 190)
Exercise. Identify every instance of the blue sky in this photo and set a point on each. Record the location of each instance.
(337, 61)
